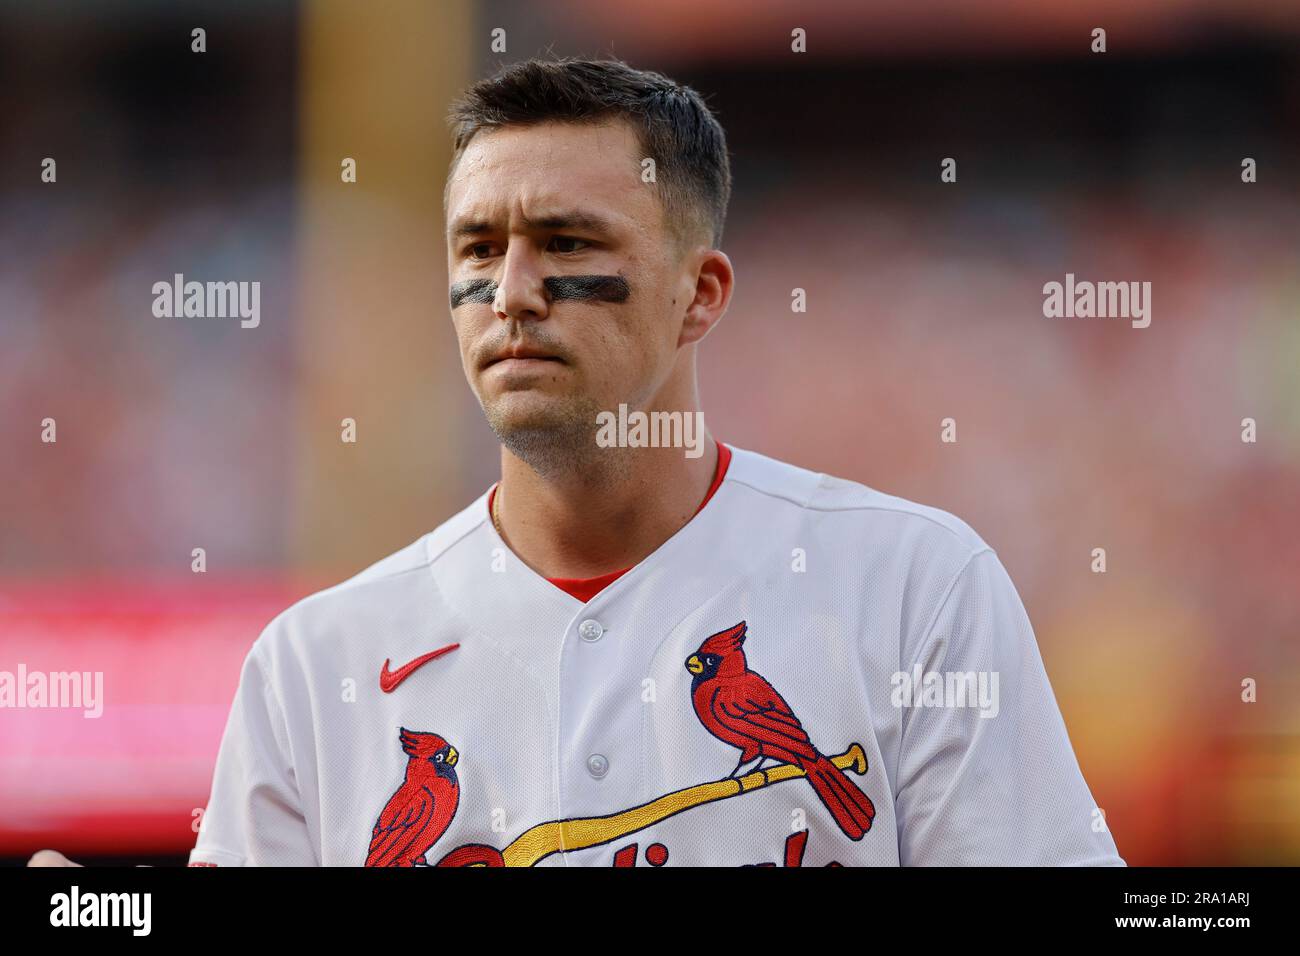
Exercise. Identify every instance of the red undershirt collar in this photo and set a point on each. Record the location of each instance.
(584, 589)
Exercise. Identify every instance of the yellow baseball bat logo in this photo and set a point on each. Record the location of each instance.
(564, 836)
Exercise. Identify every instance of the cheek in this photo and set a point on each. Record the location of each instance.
(657, 328)
(468, 327)
(634, 350)
(635, 338)
(463, 344)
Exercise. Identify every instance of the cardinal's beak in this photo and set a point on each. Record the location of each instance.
(694, 664)
(452, 756)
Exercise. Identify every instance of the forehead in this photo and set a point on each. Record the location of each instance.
(526, 169)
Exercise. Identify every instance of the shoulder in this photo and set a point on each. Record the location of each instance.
(398, 590)
(890, 555)
(863, 515)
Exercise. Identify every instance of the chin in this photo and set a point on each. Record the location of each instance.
(531, 419)
(528, 411)
(527, 408)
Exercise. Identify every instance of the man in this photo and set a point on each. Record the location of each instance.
(625, 653)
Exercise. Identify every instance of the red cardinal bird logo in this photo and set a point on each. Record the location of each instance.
(421, 809)
(739, 707)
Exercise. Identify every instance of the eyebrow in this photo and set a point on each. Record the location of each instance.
(567, 219)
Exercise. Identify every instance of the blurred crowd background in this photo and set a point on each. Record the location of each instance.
(924, 302)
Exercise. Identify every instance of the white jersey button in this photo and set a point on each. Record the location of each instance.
(597, 765)
(590, 630)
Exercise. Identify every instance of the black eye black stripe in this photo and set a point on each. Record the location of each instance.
(590, 288)
(473, 290)
(597, 288)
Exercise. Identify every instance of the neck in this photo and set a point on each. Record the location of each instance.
(609, 514)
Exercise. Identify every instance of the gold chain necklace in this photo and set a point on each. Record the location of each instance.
(496, 514)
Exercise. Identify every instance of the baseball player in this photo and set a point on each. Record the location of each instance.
(642, 646)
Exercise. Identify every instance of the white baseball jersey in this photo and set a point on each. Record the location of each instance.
(809, 672)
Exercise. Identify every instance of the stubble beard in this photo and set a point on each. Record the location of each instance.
(559, 444)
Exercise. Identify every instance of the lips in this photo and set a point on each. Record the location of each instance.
(522, 354)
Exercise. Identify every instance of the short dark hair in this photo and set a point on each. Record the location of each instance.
(675, 126)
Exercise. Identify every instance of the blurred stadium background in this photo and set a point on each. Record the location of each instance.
(924, 302)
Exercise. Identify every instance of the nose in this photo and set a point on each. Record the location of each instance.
(521, 296)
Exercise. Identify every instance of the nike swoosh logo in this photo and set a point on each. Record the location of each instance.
(388, 681)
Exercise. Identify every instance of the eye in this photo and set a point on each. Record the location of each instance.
(480, 250)
(567, 244)
(711, 660)
(437, 758)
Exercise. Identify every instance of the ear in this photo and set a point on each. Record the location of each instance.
(714, 282)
